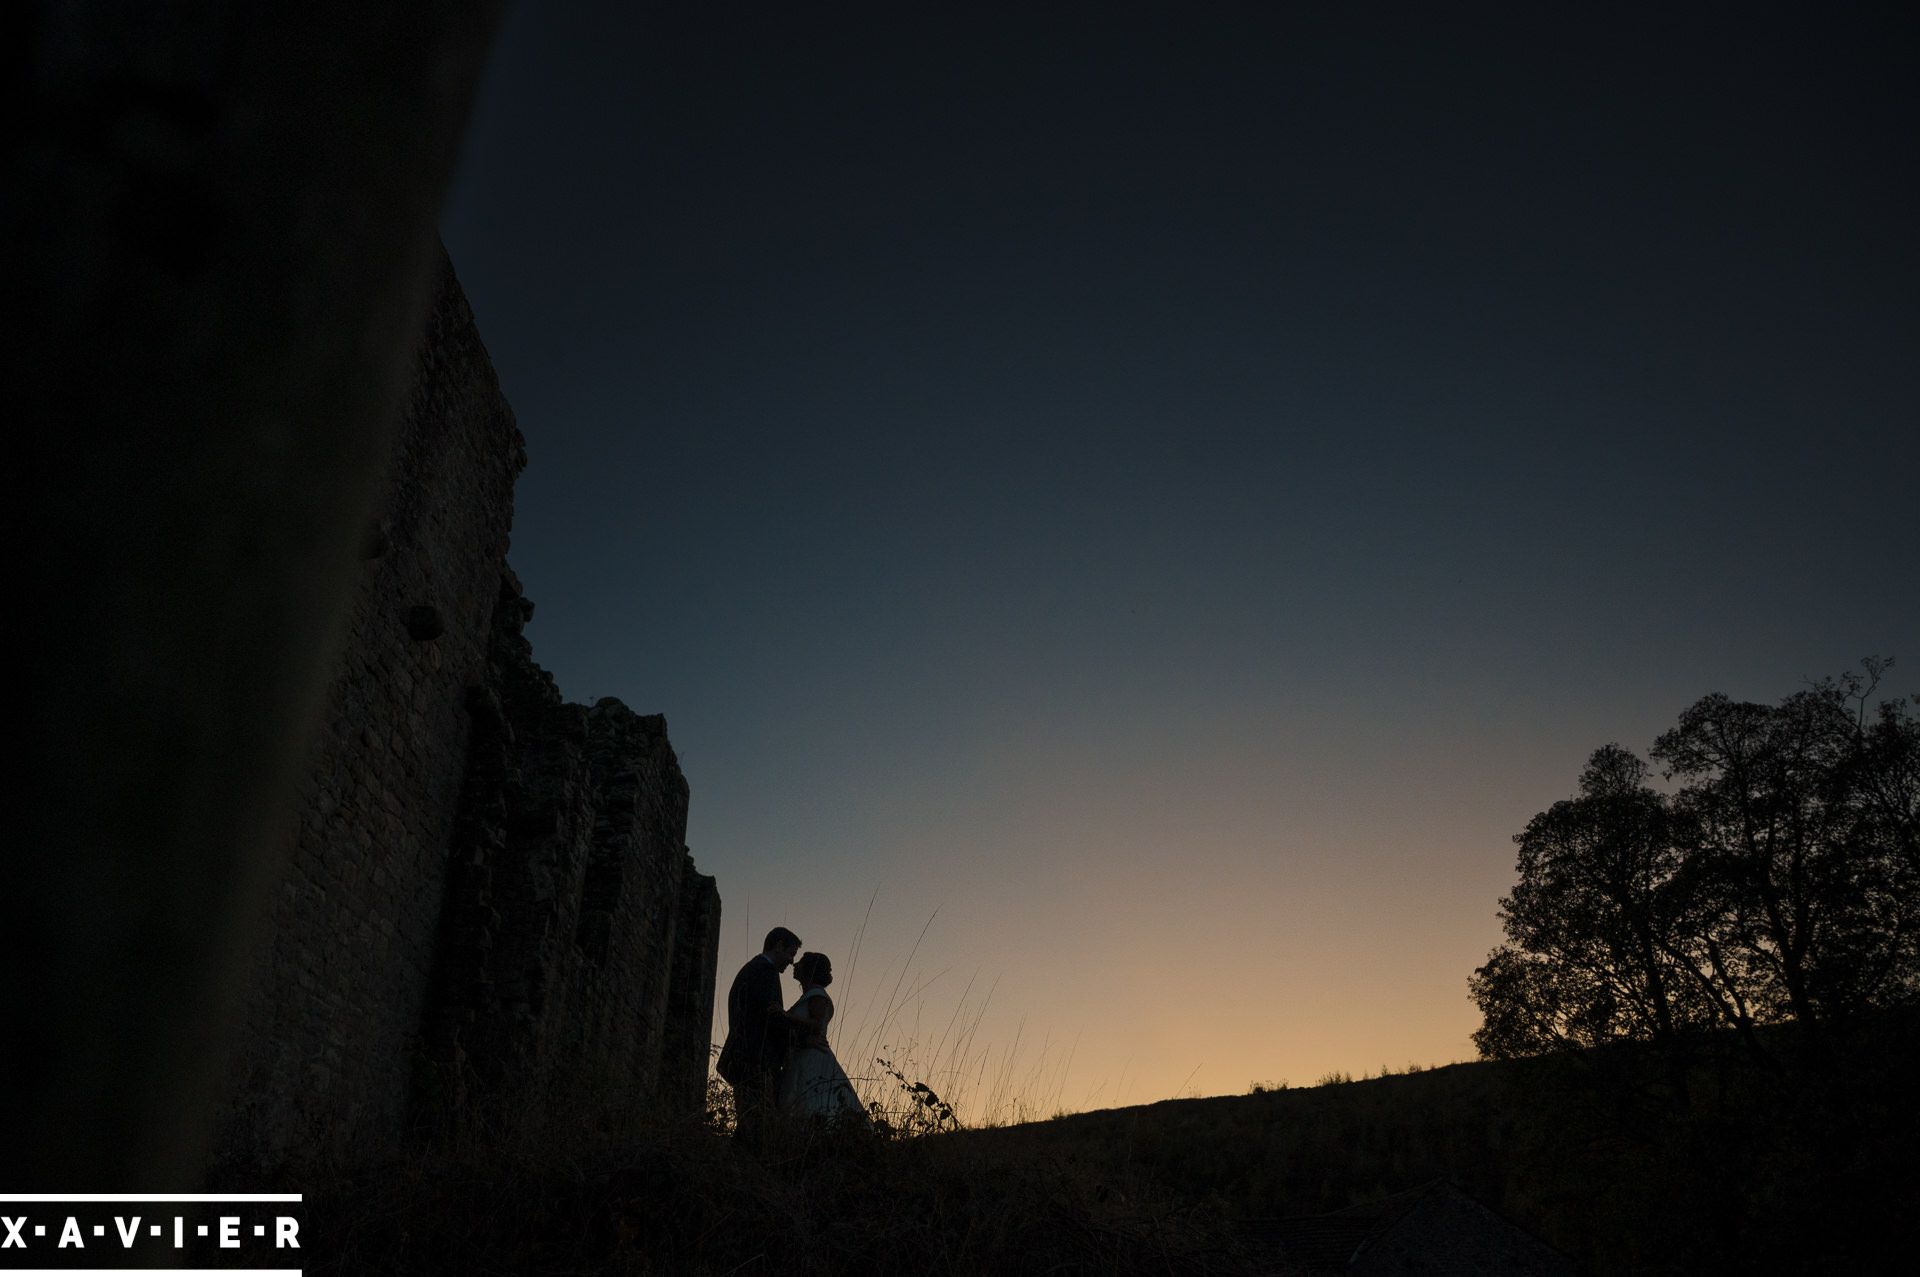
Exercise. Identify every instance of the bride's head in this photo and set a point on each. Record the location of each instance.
(814, 969)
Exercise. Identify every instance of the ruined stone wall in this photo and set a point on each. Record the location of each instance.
(580, 943)
(488, 901)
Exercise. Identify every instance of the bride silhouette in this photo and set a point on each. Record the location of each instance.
(814, 1084)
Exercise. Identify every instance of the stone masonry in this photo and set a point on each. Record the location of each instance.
(489, 914)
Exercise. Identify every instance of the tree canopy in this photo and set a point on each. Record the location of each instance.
(1776, 877)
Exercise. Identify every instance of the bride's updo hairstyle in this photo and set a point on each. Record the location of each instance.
(814, 969)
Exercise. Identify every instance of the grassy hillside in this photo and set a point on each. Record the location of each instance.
(1804, 1166)
(688, 1200)
(1807, 1164)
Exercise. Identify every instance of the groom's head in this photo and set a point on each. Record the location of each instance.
(781, 948)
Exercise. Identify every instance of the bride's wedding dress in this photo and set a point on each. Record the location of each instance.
(814, 1084)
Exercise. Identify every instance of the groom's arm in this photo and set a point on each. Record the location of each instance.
(772, 1013)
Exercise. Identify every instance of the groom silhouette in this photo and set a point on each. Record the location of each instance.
(757, 1034)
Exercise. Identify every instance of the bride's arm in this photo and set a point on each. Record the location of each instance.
(813, 1014)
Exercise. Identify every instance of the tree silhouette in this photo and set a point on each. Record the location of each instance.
(1799, 865)
(1592, 924)
(1780, 880)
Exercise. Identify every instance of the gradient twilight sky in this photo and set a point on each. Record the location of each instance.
(1174, 488)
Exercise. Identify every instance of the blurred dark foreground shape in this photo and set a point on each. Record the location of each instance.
(1432, 1228)
(220, 229)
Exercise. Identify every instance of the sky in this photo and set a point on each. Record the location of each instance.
(1127, 509)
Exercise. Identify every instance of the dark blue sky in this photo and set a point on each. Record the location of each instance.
(1186, 483)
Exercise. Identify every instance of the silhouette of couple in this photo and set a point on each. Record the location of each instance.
(776, 1057)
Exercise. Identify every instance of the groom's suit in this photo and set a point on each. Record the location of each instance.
(755, 1039)
(756, 1045)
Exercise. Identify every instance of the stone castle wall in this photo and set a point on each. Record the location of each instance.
(488, 906)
